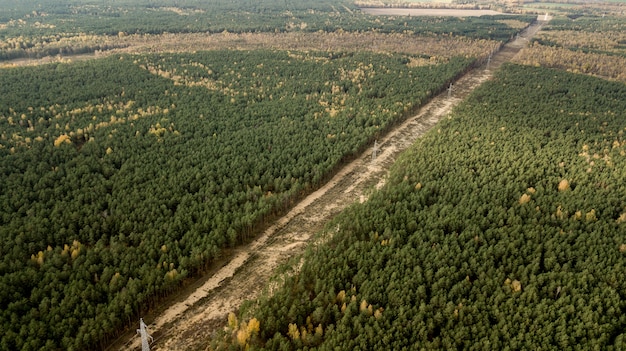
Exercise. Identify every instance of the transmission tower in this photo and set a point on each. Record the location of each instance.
(375, 150)
(145, 346)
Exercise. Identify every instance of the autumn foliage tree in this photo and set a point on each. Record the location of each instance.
(501, 228)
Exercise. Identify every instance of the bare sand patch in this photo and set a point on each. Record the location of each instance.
(190, 323)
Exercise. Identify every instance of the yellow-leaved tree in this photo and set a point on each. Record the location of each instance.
(63, 138)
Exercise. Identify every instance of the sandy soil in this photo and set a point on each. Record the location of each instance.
(189, 323)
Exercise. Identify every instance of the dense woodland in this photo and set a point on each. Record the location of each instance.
(124, 175)
(589, 44)
(70, 27)
(121, 176)
(503, 228)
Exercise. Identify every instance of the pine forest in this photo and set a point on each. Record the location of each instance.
(143, 141)
(504, 228)
(128, 172)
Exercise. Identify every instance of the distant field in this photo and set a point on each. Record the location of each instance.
(609, 7)
(420, 1)
(429, 12)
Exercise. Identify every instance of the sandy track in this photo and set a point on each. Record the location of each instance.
(189, 323)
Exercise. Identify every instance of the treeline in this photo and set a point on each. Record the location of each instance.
(124, 175)
(65, 49)
(587, 34)
(588, 24)
(600, 64)
(504, 227)
(590, 45)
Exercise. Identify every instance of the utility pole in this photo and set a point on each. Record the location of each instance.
(145, 346)
(450, 90)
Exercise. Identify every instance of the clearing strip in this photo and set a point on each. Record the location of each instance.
(190, 323)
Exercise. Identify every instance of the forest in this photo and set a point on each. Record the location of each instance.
(124, 175)
(504, 227)
(71, 27)
(594, 45)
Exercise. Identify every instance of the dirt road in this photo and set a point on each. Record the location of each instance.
(189, 323)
